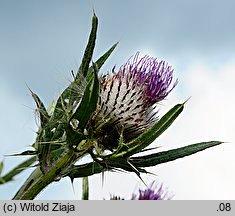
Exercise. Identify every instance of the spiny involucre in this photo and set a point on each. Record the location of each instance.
(129, 96)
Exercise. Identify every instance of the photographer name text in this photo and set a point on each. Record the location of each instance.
(39, 207)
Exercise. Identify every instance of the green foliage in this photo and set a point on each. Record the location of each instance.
(89, 49)
(15, 171)
(43, 115)
(173, 154)
(99, 63)
(92, 168)
(85, 110)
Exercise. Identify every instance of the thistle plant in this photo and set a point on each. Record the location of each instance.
(110, 117)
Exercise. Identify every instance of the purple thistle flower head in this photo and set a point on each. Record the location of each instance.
(155, 77)
(128, 97)
(153, 192)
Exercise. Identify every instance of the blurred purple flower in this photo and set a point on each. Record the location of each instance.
(153, 192)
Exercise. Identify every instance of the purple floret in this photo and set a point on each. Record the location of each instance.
(152, 193)
(156, 77)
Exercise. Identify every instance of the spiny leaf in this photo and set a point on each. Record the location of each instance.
(104, 57)
(67, 94)
(43, 115)
(83, 170)
(59, 131)
(89, 49)
(89, 101)
(43, 150)
(170, 155)
(101, 61)
(18, 169)
(24, 153)
(92, 168)
(69, 91)
(87, 105)
(143, 161)
(48, 140)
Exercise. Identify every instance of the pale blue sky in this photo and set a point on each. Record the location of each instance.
(42, 41)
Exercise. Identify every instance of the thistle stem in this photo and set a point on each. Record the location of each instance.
(37, 181)
(85, 188)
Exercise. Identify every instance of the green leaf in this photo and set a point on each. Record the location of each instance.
(28, 152)
(83, 69)
(84, 170)
(92, 168)
(48, 141)
(60, 128)
(101, 61)
(43, 142)
(170, 155)
(151, 134)
(1, 167)
(18, 169)
(85, 188)
(89, 101)
(104, 57)
(87, 105)
(43, 115)
(142, 161)
(69, 92)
